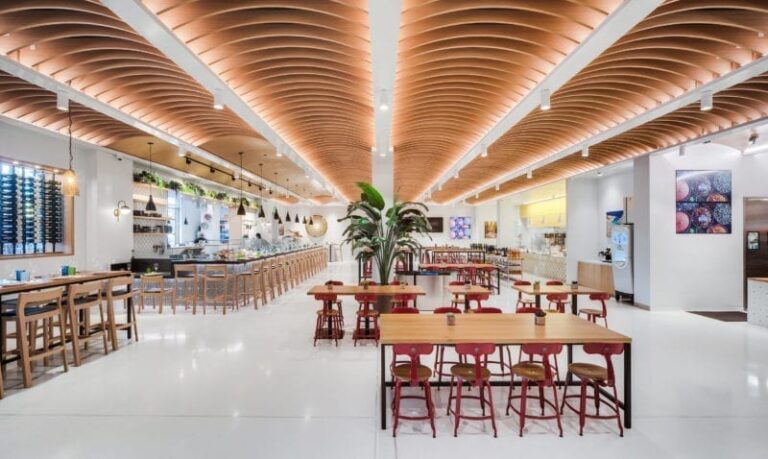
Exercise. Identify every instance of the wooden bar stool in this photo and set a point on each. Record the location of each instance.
(44, 307)
(119, 289)
(185, 286)
(81, 298)
(153, 287)
(216, 279)
(539, 374)
(248, 286)
(476, 374)
(277, 275)
(414, 374)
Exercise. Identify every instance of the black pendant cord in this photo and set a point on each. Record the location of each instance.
(71, 157)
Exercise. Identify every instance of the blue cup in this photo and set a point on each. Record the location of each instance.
(21, 275)
(65, 270)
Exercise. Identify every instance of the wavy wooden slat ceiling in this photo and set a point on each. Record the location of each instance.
(462, 65)
(680, 46)
(737, 105)
(82, 43)
(302, 65)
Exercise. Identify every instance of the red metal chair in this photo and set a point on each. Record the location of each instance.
(367, 324)
(476, 374)
(526, 310)
(414, 374)
(597, 377)
(594, 314)
(328, 322)
(477, 298)
(522, 301)
(487, 310)
(456, 298)
(404, 300)
(485, 276)
(539, 374)
(504, 364)
(532, 310)
(468, 274)
(554, 282)
(440, 361)
(404, 311)
(560, 300)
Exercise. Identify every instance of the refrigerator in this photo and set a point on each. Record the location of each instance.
(623, 272)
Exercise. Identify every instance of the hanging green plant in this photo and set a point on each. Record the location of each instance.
(174, 185)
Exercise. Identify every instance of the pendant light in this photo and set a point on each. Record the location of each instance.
(311, 222)
(241, 207)
(304, 220)
(262, 216)
(69, 185)
(296, 218)
(151, 207)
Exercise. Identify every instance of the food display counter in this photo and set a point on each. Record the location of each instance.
(547, 266)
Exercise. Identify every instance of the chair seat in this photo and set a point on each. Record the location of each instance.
(31, 311)
(86, 299)
(325, 312)
(403, 372)
(591, 312)
(526, 301)
(589, 371)
(368, 313)
(529, 370)
(154, 290)
(467, 371)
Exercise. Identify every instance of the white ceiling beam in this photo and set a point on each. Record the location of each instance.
(43, 81)
(615, 26)
(148, 25)
(740, 75)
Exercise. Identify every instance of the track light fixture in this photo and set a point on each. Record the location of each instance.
(529, 174)
(546, 103)
(181, 152)
(188, 161)
(218, 99)
(383, 101)
(707, 101)
(62, 101)
(585, 151)
(212, 170)
(753, 138)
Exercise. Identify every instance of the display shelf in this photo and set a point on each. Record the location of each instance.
(165, 219)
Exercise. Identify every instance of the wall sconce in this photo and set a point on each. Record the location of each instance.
(121, 209)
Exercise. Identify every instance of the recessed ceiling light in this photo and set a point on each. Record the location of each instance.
(529, 174)
(498, 186)
(456, 175)
(181, 152)
(32, 47)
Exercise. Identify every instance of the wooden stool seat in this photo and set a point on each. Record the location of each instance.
(403, 372)
(529, 370)
(591, 312)
(368, 313)
(467, 371)
(327, 313)
(588, 371)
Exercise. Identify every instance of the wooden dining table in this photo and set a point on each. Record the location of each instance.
(466, 290)
(461, 266)
(9, 287)
(500, 329)
(550, 289)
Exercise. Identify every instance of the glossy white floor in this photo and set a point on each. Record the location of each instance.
(251, 385)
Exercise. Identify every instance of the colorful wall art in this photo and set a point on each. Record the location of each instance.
(489, 227)
(703, 202)
(461, 227)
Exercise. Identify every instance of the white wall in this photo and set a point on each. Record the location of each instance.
(583, 225)
(641, 218)
(486, 212)
(699, 271)
(509, 224)
(99, 239)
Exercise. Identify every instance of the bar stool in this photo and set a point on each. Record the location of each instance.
(185, 286)
(257, 286)
(476, 375)
(153, 287)
(216, 277)
(338, 302)
(414, 374)
(81, 298)
(440, 361)
(266, 279)
(327, 315)
(277, 275)
(30, 308)
(367, 324)
(119, 289)
(243, 292)
(596, 376)
(553, 363)
(523, 302)
(594, 314)
(287, 276)
(539, 374)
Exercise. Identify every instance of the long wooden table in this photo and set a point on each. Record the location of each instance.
(467, 290)
(14, 288)
(499, 329)
(549, 289)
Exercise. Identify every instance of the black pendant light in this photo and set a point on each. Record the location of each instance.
(304, 219)
(186, 222)
(262, 216)
(275, 216)
(296, 218)
(311, 222)
(287, 216)
(151, 207)
(241, 207)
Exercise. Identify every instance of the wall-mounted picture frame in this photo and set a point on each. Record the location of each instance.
(753, 240)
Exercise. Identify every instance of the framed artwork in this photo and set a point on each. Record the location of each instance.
(436, 223)
(753, 240)
(703, 202)
(460, 227)
(490, 230)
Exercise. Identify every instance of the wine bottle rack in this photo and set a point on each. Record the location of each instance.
(31, 211)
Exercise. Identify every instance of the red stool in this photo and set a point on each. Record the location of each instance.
(414, 374)
(559, 300)
(476, 375)
(440, 361)
(367, 324)
(597, 377)
(594, 314)
(327, 315)
(338, 302)
(554, 282)
(539, 374)
(521, 301)
(486, 276)
(532, 310)
(367, 269)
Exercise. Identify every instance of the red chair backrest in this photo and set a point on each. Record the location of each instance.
(456, 282)
(607, 350)
(478, 296)
(544, 350)
(365, 298)
(334, 282)
(328, 297)
(395, 282)
(554, 282)
(600, 296)
(414, 352)
(557, 297)
(446, 310)
(487, 310)
(479, 352)
(526, 310)
(406, 297)
(522, 282)
(404, 311)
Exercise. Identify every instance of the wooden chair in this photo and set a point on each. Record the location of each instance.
(119, 289)
(81, 299)
(153, 287)
(185, 284)
(30, 308)
(216, 279)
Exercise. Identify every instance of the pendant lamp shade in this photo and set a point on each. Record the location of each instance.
(241, 208)
(69, 185)
(296, 218)
(311, 222)
(261, 213)
(304, 219)
(287, 216)
(151, 207)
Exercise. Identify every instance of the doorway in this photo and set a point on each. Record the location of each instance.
(755, 242)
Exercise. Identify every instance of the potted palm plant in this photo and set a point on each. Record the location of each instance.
(383, 235)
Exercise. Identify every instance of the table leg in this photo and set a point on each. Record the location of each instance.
(330, 319)
(129, 310)
(466, 303)
(570, 353)
(383, 387)
(498, 281)
(628, 385)
(538, 300)
(574, 304)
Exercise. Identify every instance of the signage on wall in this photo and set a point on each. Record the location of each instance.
(703, 202)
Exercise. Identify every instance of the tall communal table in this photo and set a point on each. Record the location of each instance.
(351, 290)
(549, 289)
(457, 267)
(499, 329)
(14, 288)
(464, 290)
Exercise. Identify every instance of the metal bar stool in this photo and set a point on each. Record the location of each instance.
(414, 374)
(476, 374)
(539, 374)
